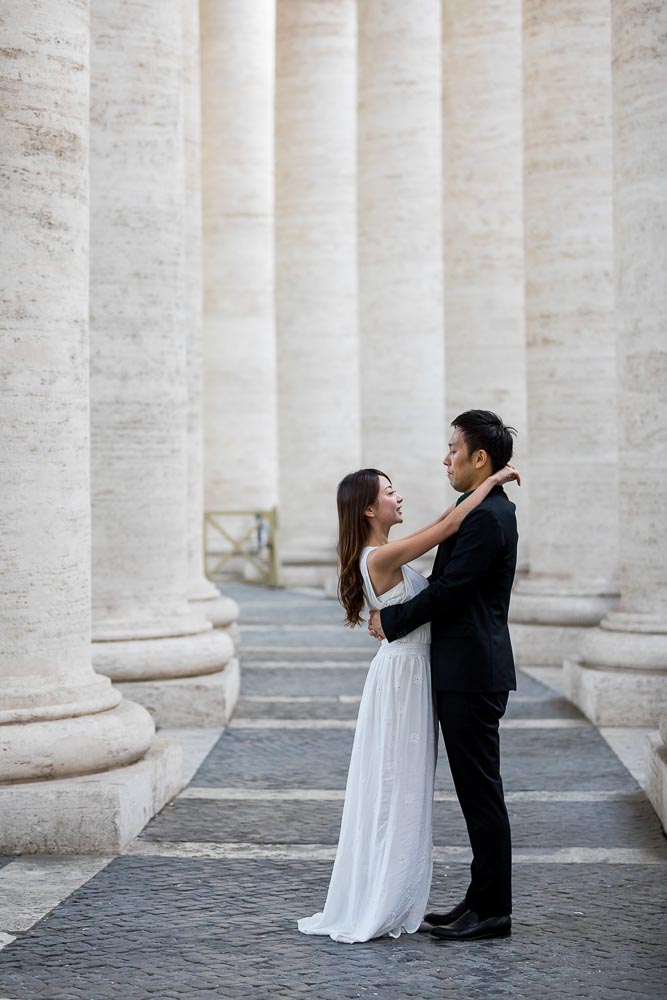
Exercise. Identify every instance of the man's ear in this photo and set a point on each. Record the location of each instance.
(481, 458)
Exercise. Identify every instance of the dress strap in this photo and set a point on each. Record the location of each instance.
(368, 586)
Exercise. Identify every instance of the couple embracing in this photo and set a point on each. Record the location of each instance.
(445, 657)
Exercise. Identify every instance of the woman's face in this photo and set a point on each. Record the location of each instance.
(387, 508)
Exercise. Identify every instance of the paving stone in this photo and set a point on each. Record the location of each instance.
(190, 928)
(576, 759)
(308, 656)
(330, 707)
(357, 644)
(629, 823)
(314, 683)
(311, 679)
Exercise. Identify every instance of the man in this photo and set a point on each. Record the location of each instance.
(472, 666)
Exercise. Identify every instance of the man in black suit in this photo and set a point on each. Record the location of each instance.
(472, 666)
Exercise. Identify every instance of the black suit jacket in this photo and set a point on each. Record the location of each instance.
(467, 602)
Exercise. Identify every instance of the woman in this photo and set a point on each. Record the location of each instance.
(382, 873)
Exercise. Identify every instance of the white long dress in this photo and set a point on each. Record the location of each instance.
(382, 873)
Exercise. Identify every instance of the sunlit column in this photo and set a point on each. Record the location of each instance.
(316, 279)
(401, 306)
(204, 595)
(238, 60)
(621, 677)
(571, 358)
(146, 633)
(58, 719)
(485, 352)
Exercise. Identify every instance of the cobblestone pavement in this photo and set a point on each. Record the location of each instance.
(205, 903)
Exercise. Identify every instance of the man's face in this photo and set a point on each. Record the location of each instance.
(460, 466)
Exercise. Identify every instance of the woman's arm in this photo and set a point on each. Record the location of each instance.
(390, 557)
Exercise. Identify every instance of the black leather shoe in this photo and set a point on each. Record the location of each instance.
(439, 919)
(470, 928)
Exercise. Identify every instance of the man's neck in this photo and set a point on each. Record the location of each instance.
(472, 489)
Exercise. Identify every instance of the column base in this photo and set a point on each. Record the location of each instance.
(656, 774)
(204, 701)
(89, 814)
(544, 645)
(615, 697)
(163, 659)
(221, 611)
(619, 678)
(549, 619)
(56, 748)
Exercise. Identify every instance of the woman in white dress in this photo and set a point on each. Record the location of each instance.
(382, 873)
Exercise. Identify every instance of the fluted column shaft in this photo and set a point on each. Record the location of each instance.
(239, 332)
(57, 717)
(400, 248)
(316, 284)
(569, 327)
(221, 611)
(143, 625)
(485, 353)
(622, 677)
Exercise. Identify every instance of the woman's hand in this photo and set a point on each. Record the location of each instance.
(507, 475)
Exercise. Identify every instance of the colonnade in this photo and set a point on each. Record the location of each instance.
(374, 218)
(457, 237)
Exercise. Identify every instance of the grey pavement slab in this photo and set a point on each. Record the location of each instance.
(331, 707)
(626, 823)
(575, 759)
(309, 679)
(306, 655)
(178, 929)
(316, 682)
(308, 633)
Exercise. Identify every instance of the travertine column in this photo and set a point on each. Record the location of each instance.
(240, 433)
(400, 249)
(572, 415)
(58, 718)
(485, 352)
(622, 676)
(204, 595)
(146, 633)
(316, 284)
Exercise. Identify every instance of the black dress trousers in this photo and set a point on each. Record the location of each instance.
(469, 723)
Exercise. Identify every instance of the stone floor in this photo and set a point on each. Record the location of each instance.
(205, 902)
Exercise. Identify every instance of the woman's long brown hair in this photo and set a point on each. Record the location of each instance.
(356, 493)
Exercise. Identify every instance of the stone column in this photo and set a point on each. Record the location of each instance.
(316, 281)
(485, 353)
(240, 432)
(204, 595)
(400, 249)
(572, 416)
(146, 634)
(58, 719)
(621, 678)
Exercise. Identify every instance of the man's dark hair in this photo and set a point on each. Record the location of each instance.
(484, 429)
